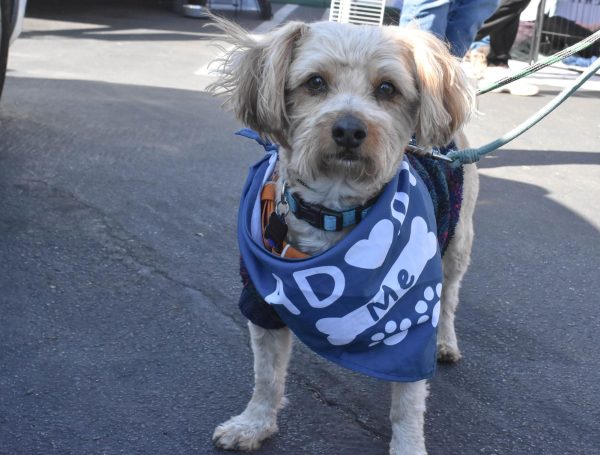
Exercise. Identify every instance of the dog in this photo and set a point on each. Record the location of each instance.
(343, 101)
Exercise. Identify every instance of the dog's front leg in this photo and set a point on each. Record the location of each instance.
(407, 416)
(272, 350)
(455, 264)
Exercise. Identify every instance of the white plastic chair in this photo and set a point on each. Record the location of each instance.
(357, 11)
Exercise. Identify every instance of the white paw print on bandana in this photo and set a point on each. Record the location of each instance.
(391, 337)
(422, 306)
(394, 333)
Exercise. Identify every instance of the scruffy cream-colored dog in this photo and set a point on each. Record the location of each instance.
(343, 102)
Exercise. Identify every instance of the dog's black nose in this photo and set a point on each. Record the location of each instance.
(348, 131)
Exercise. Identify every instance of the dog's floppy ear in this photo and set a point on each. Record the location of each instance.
(446, 97)
(253, 75)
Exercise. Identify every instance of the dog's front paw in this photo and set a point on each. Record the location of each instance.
(243, 432)
(448, 352)
(409, 448)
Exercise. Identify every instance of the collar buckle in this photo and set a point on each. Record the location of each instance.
(282, 202)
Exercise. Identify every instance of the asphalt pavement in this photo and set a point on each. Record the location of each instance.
(119, 329)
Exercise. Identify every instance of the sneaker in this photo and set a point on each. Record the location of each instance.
(478, 61)
(521, 88)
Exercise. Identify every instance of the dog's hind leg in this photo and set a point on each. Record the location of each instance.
(455, 264)
(272, 350)
(407, 415)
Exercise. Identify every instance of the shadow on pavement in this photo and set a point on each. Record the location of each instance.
(508, 157)
(120, 332)
(119, 283)
(578, 94)
(112, 17)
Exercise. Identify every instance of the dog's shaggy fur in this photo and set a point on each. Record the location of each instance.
(294, 86)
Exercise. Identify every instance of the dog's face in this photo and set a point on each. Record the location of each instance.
(344, 100)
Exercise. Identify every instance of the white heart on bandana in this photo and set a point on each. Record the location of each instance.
(371, 253)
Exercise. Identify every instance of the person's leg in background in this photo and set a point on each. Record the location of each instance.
(464, 20)
(455, 21)
(502, 28)
(430, 15)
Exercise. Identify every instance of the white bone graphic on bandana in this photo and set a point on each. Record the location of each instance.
(371, 253)
(339, 284)
(278, 297)
(406, 167)
(404, 200)
(401, 196)
(403, 274)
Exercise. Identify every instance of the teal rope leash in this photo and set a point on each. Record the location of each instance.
(586, 42)
(472, 155)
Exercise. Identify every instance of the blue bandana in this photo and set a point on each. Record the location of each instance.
(371, 303)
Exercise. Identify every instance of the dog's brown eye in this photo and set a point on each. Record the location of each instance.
(316, 84)
(386, 90)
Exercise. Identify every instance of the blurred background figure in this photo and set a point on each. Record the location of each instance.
(511, 29)
(502, 28)
(490, 53)
(568, 22)
(455, 21)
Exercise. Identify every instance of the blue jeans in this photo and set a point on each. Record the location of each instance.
(456, 21)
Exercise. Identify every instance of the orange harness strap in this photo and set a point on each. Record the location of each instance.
(267, 207)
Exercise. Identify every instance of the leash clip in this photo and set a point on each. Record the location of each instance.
(431, 153)
(282, 202)
(436, 155)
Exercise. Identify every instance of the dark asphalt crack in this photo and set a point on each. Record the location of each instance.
(120, 243)
(346, 411)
